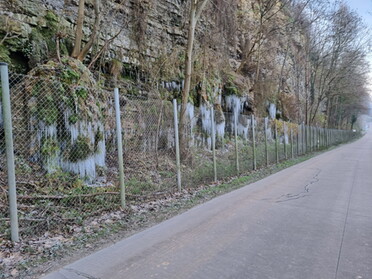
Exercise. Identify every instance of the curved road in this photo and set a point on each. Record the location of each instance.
(310, 221)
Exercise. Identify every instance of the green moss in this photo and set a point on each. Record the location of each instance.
(81, 149)
(49, 147)
(73, 118)
(97, 138)
(69, 101)
(42, 43)
(70, 76)
(45, 108)
(133, 91)
(81, 92)
(231, 89)
(4, 54)
(51, 17)
(49, 114)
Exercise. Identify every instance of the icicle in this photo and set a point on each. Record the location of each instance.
(205, 113)
(190, 112)
(220, 129)
(272, 111)
(86, 168)
(236, 105)
(100, 154)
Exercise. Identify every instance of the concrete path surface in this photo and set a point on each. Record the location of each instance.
(310, 221)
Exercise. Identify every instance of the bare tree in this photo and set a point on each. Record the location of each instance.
(78, 51)
(333, 58)
(196, 9)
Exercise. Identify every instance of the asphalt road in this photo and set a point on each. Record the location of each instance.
(310, 221)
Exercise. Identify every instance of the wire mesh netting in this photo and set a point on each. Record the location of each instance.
(60, 150)
(66, 152)
(66, 155)
(149, 144)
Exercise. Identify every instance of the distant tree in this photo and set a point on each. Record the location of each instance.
(337, 53)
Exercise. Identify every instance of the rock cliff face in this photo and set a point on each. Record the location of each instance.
(242, 54)
(246, 61)
(157, 28)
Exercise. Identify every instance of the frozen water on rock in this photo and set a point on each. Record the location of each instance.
(220, 129)
(173, 85)
(272, 111)
(205, 113)
(86, 168)
(235, 104)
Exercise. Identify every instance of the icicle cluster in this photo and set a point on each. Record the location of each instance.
(272, 111)
(58, 146)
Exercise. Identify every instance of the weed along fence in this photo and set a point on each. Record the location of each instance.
(70, 151)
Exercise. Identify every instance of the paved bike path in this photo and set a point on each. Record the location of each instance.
(313, 220)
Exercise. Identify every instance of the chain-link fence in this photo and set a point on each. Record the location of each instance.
(66, 149)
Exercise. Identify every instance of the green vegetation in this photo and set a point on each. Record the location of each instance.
(73, 118)
(81, 149)
(70, 76)
(4, 54)
(138, 187)
(49, 147)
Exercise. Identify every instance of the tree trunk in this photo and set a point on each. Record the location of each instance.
(79, 30)
(188, 71)
(83, 53)
(195, 12)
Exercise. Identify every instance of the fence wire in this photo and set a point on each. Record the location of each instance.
(67, 158)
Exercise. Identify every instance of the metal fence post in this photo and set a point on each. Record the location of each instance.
(298, 140)
(304, 141)
(320, 137)
(291, 138)
(285, 133)
(120, 147)
(177, 143)
(214, 145)
(276, 143)
(311, 138)
(236, 142)
(12, 193)
(266, 148)
(254, 143)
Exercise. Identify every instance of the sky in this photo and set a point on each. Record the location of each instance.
(364, 9)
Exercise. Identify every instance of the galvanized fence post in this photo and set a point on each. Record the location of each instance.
(236, 141)
(254, 142)
(304, 140)
(120, 147)
(319, 138)
(311, 138)
(285, 134)
(298, 140)
(177, 144)
(266, 148)
(314, 138)
(7, 116)
(291, 138)
(214, 145)
(276, 143)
